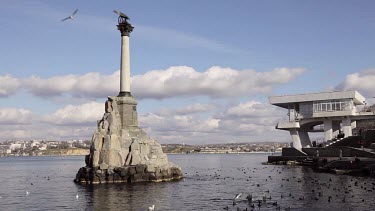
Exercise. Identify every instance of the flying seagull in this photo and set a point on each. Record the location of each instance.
(70, 17)
(121, 14)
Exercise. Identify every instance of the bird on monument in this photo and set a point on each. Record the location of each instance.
(71, 16)
(121, 14)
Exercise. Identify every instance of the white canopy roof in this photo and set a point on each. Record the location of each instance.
(285, 100)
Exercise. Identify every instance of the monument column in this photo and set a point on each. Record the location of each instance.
(120, 150)
(125, 28)
(127, 105)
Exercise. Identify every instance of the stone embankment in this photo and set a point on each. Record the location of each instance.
(354, 166)
(350, 166)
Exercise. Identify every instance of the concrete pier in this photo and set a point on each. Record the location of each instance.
(327, 112)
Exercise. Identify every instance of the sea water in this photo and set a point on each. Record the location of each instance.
(211, 181)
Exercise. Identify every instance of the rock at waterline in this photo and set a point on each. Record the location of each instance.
(122, 152)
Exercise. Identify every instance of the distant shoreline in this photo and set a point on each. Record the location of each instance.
(223, 153)
(53, 152)
(82, 152)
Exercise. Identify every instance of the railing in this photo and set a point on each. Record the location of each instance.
(366, 109)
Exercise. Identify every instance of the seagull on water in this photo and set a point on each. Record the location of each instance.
(151, 208)
(27, 193)
(70, 17)
(77, 196)
(237, 196)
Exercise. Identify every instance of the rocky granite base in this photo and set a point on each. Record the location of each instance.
(129, 174)
(122, 152)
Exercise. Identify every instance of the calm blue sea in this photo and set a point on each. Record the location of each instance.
(211, 182)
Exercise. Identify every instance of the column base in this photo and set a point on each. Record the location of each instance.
(124, 94)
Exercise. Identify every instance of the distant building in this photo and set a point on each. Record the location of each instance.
(34, 143)
(43, 147)
(335, 112)
(14, 147)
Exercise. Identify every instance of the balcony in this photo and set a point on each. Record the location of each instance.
(287, 125)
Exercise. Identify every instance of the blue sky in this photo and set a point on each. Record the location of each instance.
(323, 45)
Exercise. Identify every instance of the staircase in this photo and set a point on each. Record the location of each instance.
(351, 141)
(330, 142)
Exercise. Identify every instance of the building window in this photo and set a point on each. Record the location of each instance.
(334, 105)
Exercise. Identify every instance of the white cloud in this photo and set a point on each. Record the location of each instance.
(252, 109)
(252, 118)
(184, 121)
(361, 81)
(248, 121)
(176, 123)
(13, 116)
(15, 132)
(50, 87)
(91, 85)
(190, 109)
(214, 82)
(195, 108)
(8, 85)
(178, 128)
(175, 81)
(193, 124)
(46, 132)
(84, 114)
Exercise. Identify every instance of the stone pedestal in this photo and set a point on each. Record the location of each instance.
(122, 152)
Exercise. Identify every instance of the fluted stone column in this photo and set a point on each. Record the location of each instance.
(125, 65)
(125, 28)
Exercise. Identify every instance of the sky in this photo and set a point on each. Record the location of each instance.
(201, 71)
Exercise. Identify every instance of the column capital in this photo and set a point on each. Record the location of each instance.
(125, 28)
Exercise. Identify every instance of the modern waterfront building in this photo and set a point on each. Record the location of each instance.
(333, 113)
